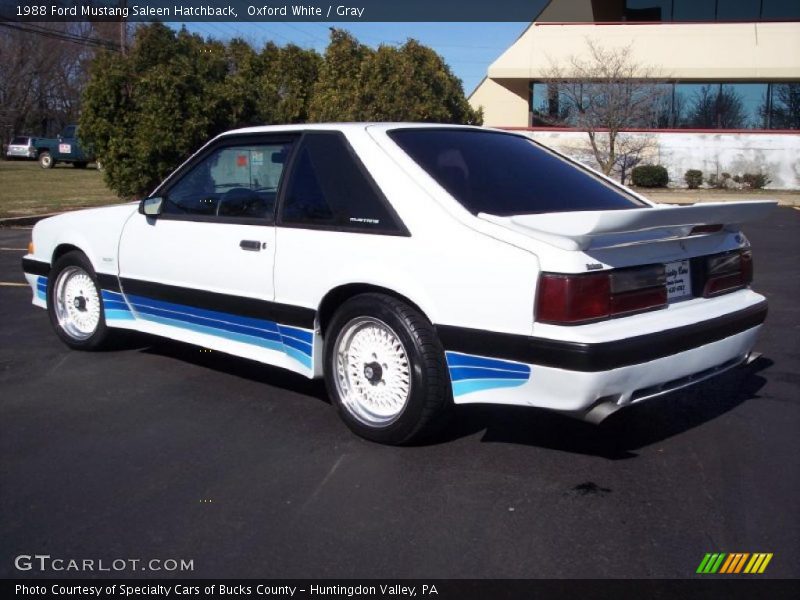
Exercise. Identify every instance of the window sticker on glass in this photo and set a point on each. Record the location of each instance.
(241, 160)
(257, 159)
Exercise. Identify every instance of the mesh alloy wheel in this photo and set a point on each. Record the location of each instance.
(373, 375)
(77, 303)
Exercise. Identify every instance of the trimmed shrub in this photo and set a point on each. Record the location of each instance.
(693, 178)
(719, 182)
(650, 176)
(756, 181)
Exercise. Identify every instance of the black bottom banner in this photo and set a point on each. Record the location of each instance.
(438, 589)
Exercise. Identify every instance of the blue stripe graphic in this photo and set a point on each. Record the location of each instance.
(41, 289)
(459, 373)
(186, 317)
(114, 306)
(456, 359)
(478, 385)
(470, 373)
(292, 341)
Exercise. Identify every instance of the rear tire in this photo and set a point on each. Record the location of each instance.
(75, 303)
(46, 161)
(385, 370)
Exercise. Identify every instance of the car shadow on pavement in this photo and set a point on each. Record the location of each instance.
(621, 434)
(236, 366)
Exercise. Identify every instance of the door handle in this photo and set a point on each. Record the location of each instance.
(252, 245)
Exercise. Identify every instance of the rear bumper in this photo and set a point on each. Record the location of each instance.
(602, 356)
(574, 377)
(17, 153)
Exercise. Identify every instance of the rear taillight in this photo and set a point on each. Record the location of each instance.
(580, 298)
(728, 272)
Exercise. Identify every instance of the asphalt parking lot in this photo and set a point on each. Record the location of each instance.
(161, 450)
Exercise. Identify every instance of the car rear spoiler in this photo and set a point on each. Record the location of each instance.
(581, 230)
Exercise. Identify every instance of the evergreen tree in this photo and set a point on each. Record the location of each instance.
(146, 112)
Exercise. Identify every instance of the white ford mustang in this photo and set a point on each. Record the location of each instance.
(413, 266)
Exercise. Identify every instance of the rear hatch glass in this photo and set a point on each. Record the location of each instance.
(506, 174)
(20, 141)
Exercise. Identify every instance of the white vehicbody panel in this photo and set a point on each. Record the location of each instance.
(198, 255)
(95, 231)
(461, 270)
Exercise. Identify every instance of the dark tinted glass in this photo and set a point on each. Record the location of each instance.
(780, 9)
(721, 106)
(504, 174)
(785, 109)
(693, 10)
(738, 10)
(329, 187)
(648, 10)
(20, 141)
(68, 132)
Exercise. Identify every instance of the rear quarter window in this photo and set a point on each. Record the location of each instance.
(507, 174)
(329, 188)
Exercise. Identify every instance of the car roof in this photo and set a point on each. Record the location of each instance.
(343, 127)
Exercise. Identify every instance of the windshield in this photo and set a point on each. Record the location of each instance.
(506, 174)
(19, 141)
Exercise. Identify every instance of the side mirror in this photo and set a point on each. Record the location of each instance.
(151, 207)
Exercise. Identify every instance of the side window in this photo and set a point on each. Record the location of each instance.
(69, 132)
(328, 187)
(231, 182)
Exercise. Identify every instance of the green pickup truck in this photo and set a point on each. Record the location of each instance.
(66, 148)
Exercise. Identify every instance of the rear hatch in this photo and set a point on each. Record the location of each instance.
(633, 261)
(600, 246)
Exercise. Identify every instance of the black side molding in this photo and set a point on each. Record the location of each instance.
(39, 267)
(284, 314)
(35, 267)
(578, 356)
(108, 282)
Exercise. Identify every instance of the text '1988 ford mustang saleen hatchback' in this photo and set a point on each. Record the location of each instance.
(413, 266)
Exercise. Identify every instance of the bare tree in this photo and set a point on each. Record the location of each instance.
(43, 68)
(604, 93)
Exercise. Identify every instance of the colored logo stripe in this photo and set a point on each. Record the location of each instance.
(734, 563)
(292, 341)
(41, 289)
(114, 306)
(470, 373)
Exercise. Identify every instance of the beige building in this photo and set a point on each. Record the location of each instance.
(729, 69)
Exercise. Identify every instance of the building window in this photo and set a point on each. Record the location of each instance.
(648, 10)
(688, 105)
(740, 10)
(784, 106)
(780, 9)
(693, 10)
(710, 10)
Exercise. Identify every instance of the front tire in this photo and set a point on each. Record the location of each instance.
(75, 303)
(385, 370)
(46, 161)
